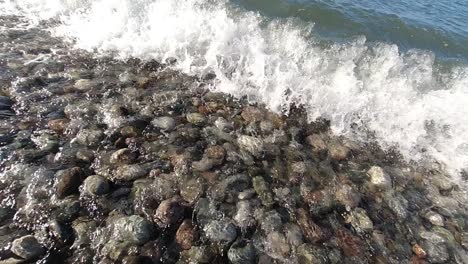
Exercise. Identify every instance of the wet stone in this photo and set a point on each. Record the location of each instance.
(58, 125)
(27, 247)
(123, 156)
(338, 151)
(317, 142)
(434, 218)
(191, 190)
(201, 254)
(89, 137)
(270, 221)
(252, 114)
(435, 246)
(215, 152)
(221, 231)
(263, 191)
(96, 185)
(293, 234)
(196, 119)
(311, 231)
(129, 172)
(84, 84)
(165, 123)
(251, 144)
(241, 253)
(85, 155)
(169, 212)
(68, 181)
(347, 196)
(379, 178)
(359, 219)
(186, 235)
(243, 216)
(308, 254)
(133, 229)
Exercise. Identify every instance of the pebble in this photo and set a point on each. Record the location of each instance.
(122, 156)
(68, 181)
(252, 114)
(435, 246)
(96, 185)
(221, 231)
(196, 119)
(165, 123)
(129, 172)
(58, 125)
(27, 247)
(308, 254)
(133, 229)
(168, 213)
(434, 218)
(89, 137)
(359, 219)
(251, 144)
(277, 245)
(263, 191)
(186, 235)
(379, 178)
(338, 151)
(242, 252)
(317, 142)
(83, 85)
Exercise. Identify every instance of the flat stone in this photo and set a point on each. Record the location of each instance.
(96, 185)
(165, 123)
(251, 144)
(133, 229)
(196, 119)
(27, 247)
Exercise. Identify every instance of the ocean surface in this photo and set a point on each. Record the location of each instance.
(391, 71)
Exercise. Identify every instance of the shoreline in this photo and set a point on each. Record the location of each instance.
(106, 161)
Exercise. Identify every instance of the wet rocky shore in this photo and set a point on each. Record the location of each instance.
(109, 161)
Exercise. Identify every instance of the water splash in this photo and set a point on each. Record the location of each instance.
(405, 98)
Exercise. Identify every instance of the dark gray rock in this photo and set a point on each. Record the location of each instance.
(27, 247)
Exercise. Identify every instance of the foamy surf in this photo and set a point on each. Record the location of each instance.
(404, 99)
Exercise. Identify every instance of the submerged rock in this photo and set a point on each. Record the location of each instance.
(96, 185)
(133, 229)
(186, 235)
(379, 178)
(27, 247)
(251, 144)
(68, 181)
(165, 123)
(241, 253)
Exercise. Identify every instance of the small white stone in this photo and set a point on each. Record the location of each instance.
(434, 218)
(379, 178)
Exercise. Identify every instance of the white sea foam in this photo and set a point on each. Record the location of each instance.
(403, 98)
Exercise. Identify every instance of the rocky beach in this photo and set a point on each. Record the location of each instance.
(131, 161)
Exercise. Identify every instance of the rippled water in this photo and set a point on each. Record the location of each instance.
(441, 26)
(394, 72)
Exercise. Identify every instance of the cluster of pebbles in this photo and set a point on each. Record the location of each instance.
(108, 161)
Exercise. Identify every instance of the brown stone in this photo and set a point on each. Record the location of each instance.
(252, 114)
(215, 152)
(310, 230)
(419, 251)
(58, 125)
(351, 245)
(69, 181)
(186, 234)
(168, 213)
